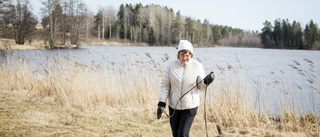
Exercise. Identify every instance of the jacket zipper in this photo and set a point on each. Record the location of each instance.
(182, 84)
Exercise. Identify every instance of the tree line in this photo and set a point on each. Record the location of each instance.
(282, 34)
(69, 21)
(159, 25)
(65, 21)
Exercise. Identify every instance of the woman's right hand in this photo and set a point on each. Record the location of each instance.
(160, 109)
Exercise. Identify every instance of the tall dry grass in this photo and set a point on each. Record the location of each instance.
(90, 87)
(77, 85)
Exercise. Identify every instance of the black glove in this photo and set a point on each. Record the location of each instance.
(161, 106)
(209, 78)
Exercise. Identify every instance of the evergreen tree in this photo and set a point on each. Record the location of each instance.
(120, 21)
(216, 35)
(297, 35)
(190, 29)
(151, 37)
(177, 29)
(266, 35)
(98, 23)
(225, 31)
(285, 30)
(277, 34)
(289, 35)
(120, 12)
(307, 37)
(314, 33)
(311, 34)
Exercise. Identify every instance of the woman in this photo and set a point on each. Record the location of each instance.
(181, 76)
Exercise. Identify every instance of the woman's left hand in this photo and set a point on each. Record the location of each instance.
(209, 78)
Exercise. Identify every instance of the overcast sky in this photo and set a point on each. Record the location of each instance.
(243, 14)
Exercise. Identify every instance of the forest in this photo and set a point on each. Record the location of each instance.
(70, 21)
(284, 35)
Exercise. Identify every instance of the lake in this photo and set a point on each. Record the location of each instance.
(270, 71)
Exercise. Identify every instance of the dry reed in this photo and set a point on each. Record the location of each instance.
(90, 87)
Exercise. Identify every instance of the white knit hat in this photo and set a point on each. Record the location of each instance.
(185, 45)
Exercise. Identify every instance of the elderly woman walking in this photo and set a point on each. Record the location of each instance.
(180, 76)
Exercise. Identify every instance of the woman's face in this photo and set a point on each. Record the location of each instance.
(185, 57)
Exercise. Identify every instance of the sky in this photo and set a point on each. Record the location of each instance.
(243, 14)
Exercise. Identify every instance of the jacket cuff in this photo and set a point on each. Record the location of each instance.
(162, 104)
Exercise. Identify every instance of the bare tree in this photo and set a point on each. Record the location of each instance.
(98, 23)
(207, 32)
(23, 21)
(143, 20)
(76, 14)
(64, 22)
(198, 33)
(154, 19)
(102, 13)
(4, 9)
(50, 11)
(111, 17)
(135, 34)
(169, 23)
(5, 18)
(4, 4)
(103, 23)
(88, 22)
(140, 23)
(126, 20)
(177, 28)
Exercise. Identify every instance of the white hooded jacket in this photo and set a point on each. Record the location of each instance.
(177, 80)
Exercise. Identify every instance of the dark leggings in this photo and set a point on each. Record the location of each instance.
(181, 121)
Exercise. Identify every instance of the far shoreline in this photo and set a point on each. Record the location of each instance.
(9, 44)
(37, 44)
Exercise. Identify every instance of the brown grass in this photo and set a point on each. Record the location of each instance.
(113, 42)
(75, 99)
(9, 44)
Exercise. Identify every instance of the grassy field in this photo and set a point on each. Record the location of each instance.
(70, 98)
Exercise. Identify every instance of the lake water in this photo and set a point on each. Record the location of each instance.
(296, 72)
